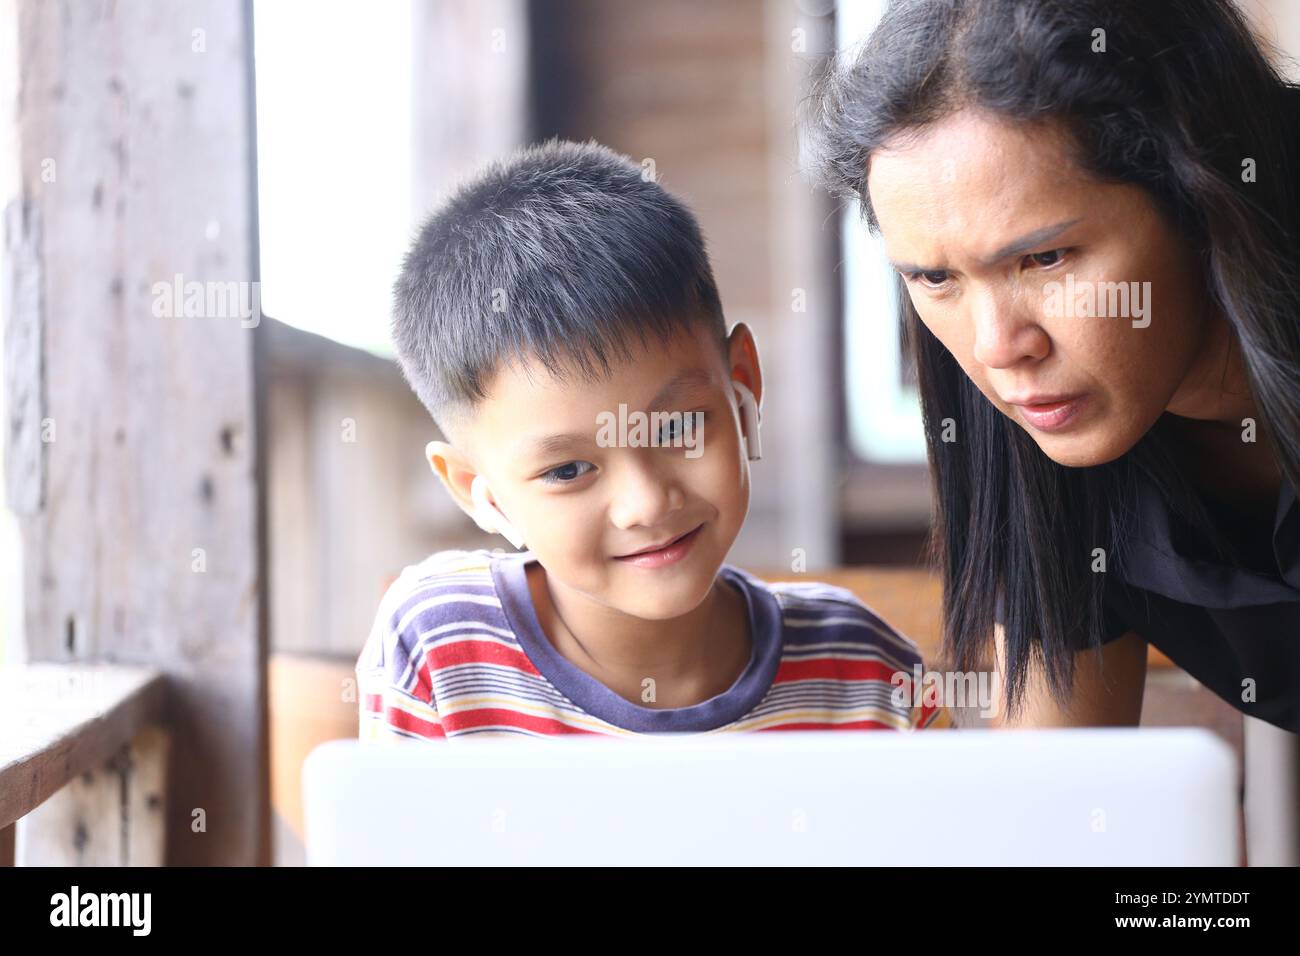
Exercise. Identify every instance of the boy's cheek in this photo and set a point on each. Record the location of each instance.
(720, 478)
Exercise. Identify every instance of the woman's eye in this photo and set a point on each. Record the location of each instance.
(1038, 257)
(934, 277)
(566, 473)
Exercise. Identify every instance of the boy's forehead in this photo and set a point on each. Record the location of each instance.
(526, 401)
(644, 366)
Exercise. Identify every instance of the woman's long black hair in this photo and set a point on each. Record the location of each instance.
(1173, 96)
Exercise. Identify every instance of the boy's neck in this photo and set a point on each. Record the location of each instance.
(689, 658)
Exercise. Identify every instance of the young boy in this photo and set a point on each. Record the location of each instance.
(559, 319)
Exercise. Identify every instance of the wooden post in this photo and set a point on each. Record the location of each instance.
(131, 309)
(805, 299)
(1272, 768)
(7, 845)
(469, 91)
(111, 816)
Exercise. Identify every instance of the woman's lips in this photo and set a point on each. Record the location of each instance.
(1053, 416)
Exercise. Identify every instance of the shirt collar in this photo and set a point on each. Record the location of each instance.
(509, 574)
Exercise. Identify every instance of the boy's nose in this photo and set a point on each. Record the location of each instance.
(645, 499)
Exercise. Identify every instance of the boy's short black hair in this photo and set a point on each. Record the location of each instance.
(562, 252)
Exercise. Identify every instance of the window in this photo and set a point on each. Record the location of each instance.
(883, 407)
(333, 163)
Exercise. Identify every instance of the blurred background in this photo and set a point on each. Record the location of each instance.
(221, 499)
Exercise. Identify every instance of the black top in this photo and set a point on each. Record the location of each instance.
(1235, 628)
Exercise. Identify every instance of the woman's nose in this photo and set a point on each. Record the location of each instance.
(1007, 331)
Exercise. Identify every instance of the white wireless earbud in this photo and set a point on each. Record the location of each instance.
(749, 418)
(489, 517)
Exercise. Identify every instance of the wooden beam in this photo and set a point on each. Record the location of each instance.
(62, 721)
(142, 520)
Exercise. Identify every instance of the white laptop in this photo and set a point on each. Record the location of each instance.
(1022, 797)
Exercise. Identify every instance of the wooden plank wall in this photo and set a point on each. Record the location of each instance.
(350, 497)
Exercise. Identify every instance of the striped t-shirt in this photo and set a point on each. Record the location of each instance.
(457, 649)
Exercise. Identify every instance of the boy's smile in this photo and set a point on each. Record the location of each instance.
(670, 552)
(630, 536)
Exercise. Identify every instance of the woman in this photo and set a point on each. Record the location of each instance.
(1092, 207)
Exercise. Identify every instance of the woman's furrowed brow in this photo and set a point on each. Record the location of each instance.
(1014, 248)
(1028, 241)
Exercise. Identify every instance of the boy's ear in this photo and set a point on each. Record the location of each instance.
(456, 472)
(746, 367)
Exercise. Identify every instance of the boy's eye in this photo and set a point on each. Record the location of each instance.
(571, 471)
(675, 427)
(568, 472)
